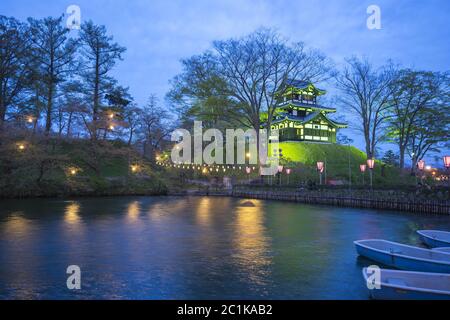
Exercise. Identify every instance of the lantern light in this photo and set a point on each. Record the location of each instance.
(447, 161)
(21, 146)
(320, 166)
(371, 163)
(362, 168)
(288, 171)
(248, 170)
(111, 127)
(428, 168)
(280, 169)
(421, 165)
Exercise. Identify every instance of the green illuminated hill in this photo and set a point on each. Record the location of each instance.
(341, 161)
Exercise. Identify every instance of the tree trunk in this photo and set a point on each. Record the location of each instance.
(2, 115)
(130, 139)
(48, 121)
(401, 157)
(69, 124)
(96, 94)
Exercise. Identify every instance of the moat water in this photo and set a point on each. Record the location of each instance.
(191, 248)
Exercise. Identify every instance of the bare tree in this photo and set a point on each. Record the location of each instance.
(366, 90)
(238, 80)
(256, 66)
(153, 127)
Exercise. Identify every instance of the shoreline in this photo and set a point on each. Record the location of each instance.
(432, 207)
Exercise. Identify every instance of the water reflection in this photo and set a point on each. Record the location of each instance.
(251, 241)
(204, 211)
(72, 214)
(191, 247)
(17, 225)
(133, 211)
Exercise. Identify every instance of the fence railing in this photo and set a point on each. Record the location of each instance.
(374, 200)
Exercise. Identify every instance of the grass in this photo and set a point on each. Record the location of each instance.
(342, 164)
(45, 167)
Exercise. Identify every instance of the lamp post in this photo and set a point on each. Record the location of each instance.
(447, 166)
(421, 167)
(362, 168)
(320, 167)
(248, 170)
(280, 171)
(371, 165)
(288, 172)
(446, 162)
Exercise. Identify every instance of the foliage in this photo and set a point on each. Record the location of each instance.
(414, 94)
(391, 158)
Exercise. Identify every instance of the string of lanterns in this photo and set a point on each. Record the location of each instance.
(205, 168)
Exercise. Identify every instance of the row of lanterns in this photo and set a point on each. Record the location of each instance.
(205, 167)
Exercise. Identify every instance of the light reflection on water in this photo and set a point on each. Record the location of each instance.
(190, 247)
(251, 242)
(72, 211)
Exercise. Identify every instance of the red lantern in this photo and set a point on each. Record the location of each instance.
(370, 163)
(421, 165)
(288, 171)
(447, 161)
(280, 169)
(362, 167)
(320, 166)
(248, 170)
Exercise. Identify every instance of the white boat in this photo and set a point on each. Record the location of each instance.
(442, 249)
(406, 285)
(435, 238)
(404, 257)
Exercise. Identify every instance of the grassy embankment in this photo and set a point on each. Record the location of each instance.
(57, 167)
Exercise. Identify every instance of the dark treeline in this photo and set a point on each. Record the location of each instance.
(58, 82)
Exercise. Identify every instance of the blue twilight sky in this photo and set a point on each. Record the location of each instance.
(158, 33)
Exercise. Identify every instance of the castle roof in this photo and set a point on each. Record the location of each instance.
(300, 84)
(308, 118)
(300, 104)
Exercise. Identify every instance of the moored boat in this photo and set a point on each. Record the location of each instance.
(406, 285)
(435, 238)
(403, 256)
